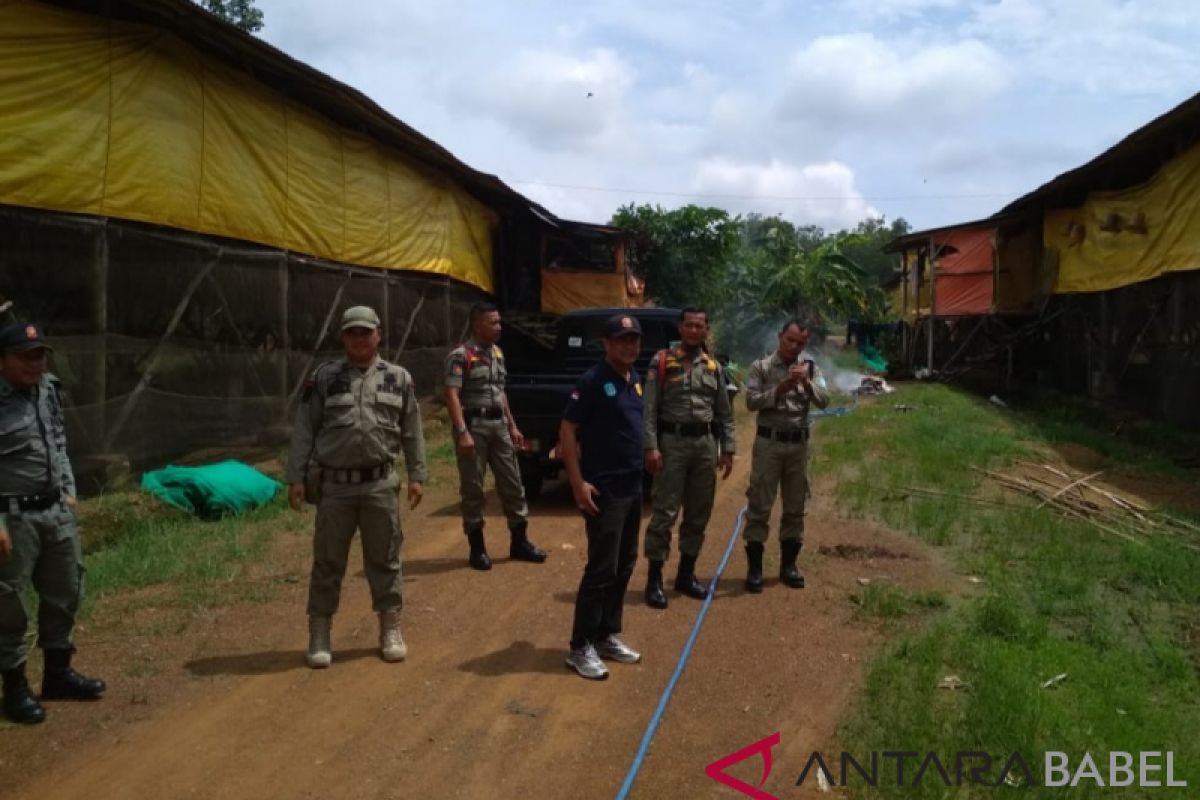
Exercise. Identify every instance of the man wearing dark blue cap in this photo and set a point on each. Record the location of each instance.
(39, 537)
(601, 442)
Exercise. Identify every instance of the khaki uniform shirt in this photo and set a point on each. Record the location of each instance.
(691, 390)
(479, 373)
(352, 418)
(789, 412)
(33, 440)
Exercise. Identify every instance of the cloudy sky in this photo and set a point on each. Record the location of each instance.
(826, 112)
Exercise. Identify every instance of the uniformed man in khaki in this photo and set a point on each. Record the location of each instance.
(39, 537)
(686, 404)
(781, 388)
(356, 415)
(486, 434)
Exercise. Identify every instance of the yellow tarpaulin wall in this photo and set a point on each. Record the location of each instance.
(567, 291)
(122, 120)
(918, 301)
(1151, 229)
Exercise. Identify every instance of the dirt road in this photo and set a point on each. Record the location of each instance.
(483, 707)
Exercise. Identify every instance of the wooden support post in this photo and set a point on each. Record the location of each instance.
(446, 308)
(385, 313)
(904, 303)
(283, 349)
(95, 371)
(930, 269)
(1097, 382)
(1009, 372)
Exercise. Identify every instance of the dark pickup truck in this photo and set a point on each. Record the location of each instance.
(540, 379)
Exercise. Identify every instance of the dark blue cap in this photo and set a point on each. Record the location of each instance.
(621, 325)
(22, 337)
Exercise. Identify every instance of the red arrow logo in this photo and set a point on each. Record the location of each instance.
(716, 770)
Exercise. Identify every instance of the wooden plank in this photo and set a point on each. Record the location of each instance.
(333, 307)
(148, 374)
(412, 318)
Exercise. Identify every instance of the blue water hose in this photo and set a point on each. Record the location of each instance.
(840, 411)
(652, 727)
(656, 719)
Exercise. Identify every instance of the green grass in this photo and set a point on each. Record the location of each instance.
(1119, 617)
(201, 563)
(441, 452)
(886, 602)
(132, 541)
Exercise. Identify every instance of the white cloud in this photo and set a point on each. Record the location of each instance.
(815, 194)
(1105, 46)
(847, 80)
(557, 100)
(959, 99)
(566, 203)
(894, 9)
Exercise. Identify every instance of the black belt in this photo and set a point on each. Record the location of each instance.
(799, 435)
(362, 475)
(485, 413)
(30, 502)
(692, 429)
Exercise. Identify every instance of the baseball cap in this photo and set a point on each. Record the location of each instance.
(22, 338)
(359, 317)
(621, 325)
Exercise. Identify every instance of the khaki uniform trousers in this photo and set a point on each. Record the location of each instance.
(777, 465)
(371, 509)
(688, 480)
(46, 554)
(493, 447)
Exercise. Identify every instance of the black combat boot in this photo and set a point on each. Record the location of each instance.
(789, 551)
(685, 578)
(655, 596)
(479, 557)
(60, 682)
(521, 549)
(20, 705)
(754, 556)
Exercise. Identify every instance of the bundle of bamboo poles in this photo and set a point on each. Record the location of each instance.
(1075, 496)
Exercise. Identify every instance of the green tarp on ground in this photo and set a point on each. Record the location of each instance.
(213, 490)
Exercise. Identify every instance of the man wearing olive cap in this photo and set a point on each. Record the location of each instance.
(39, 536)
(356, 415)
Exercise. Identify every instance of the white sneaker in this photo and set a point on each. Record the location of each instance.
(585, 661)
(391, 643)
(613, 648)
(320, 653)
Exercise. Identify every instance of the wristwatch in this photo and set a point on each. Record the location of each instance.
(459, 430)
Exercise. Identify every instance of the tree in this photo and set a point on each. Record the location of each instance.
(684, 253)
(241, 13)
(753, 272)
(864, 245)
